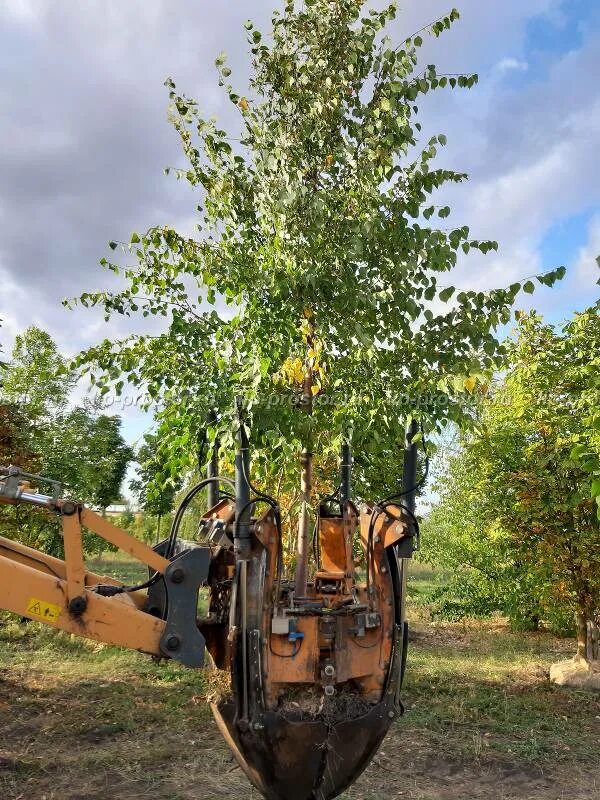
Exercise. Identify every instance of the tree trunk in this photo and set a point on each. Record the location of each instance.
(304, 522)
(581, 634)
(588, 638)
(593, 645)
(305, 486)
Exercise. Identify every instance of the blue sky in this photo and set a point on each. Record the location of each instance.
(84, 140)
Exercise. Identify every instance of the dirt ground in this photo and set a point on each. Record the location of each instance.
(410, 765)
(83, 722)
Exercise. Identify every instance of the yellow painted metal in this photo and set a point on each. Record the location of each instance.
(106, 619)
(21, 554)
(73, 556)
(129, 544)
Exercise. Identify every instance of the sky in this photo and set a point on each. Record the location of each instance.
(84, 140)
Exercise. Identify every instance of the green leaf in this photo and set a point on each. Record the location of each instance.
(528, 287)
(310, 216)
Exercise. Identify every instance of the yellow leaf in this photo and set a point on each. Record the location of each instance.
(470, 383)
(243, 104)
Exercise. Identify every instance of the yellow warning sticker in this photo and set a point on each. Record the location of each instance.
(43, 610)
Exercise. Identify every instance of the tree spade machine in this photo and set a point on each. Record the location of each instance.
(314, 678)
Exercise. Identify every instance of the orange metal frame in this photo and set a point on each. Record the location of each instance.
(43, 588)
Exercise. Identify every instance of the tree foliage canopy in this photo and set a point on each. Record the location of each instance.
(316, 254)
(520, 503)
(43, 433)
(143, 486)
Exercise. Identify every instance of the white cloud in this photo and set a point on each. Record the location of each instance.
(587, 269)
(512, 64)
(20, 10)
(89, 78)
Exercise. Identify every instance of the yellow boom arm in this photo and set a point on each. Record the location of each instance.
(65, 594)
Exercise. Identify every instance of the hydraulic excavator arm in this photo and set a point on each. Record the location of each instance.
(65, 594)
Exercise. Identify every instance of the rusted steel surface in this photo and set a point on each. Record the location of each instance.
(390, 526)
(315, 676)
(334, 552)
(345, 641)
(304, 760)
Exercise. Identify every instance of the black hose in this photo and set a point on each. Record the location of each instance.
(175, 529)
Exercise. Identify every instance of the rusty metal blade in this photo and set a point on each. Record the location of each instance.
(303, 760)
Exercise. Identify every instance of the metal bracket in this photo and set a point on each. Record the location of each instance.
(11, 479)
(181, 640)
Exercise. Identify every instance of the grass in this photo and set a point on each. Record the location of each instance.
(487, 689)
(422, 579)
(119, 565)
(81, 720)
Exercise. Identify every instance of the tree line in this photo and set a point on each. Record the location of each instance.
(518, 518)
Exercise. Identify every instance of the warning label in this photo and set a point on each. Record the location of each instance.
(40, 608)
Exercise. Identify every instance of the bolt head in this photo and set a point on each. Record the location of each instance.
(78, 605)
(173, 642)
(177, 575)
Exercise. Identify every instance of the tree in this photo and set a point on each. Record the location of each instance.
(155, 495)
(89, 454)
(126, 520)
(34, 380)
(3, 364)
(79, 447)
(316, 246)
(13, 440)
(530, 520)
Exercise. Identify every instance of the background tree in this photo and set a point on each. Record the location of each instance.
(519, 502)
(77, 446)
(35, 381)
(3, 364)
(155, 495)
(315, 229)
